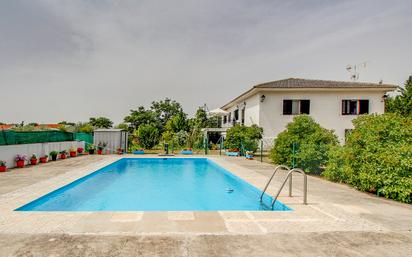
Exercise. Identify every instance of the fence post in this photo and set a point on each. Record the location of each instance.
(293, 155)
(220, 148)
(261, 150)
(206, 144)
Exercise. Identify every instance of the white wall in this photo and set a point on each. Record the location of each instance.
(113, 139)
(9, 152)
(252, 108)
(325, 108)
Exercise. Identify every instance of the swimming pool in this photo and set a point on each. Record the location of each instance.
(155, 184)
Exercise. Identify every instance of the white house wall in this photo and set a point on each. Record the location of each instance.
(252, 110)
(325, 108)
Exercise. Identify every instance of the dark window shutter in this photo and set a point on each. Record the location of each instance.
(363, 106)
(287, 107)
(304, 106)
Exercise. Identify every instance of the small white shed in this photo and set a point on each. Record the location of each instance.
(114, 138)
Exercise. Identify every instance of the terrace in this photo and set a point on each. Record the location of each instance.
(334, 213)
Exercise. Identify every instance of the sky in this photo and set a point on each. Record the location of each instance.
(75, 59)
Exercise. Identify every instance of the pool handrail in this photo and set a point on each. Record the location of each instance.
(270, 179)
(289, 176)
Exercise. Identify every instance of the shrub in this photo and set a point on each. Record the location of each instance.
(180, 138)
(148, 135)
(313, 143)
(377, 157)
(248, 137)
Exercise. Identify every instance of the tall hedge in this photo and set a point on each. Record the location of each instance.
(377, 157)
(312, 145)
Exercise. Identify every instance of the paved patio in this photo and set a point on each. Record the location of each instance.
(336, 214)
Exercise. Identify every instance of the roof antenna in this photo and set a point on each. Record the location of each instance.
(353, 70)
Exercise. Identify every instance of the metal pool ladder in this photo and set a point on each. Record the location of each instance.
(288, 177)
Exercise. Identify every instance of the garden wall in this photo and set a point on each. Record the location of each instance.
(9, 152)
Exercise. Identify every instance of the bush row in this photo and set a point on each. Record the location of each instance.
(376, 158)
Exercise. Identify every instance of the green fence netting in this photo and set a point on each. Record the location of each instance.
(9, 137)
(88, 138)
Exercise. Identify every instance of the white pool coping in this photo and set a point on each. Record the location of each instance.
(303, 218)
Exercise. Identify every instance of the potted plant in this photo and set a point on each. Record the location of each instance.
(187, 151)
(63, 154)
(80, 150)
(92, 148)
(100, 147)
(53, 155)
(249, 155)
(33, 159)
(233, 152)
(20, 160)
(3, 167)
(43, 159)
(138, 151)
(73, 152)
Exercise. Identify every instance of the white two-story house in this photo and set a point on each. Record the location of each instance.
(333, 104)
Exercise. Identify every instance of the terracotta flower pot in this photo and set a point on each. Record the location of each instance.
(43, 159)
(73, 154)
(33, 161)
(63, 156)
(3, 168)
(20, 164)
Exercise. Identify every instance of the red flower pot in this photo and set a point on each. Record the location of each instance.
(20, 164)
(43, 159)
(73, 154)
(3, 168)
(63, 156)
(33, 161)
(100, 152)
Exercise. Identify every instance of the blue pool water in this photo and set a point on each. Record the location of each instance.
(155, 184)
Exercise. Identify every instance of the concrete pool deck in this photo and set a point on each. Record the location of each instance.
(332, 208)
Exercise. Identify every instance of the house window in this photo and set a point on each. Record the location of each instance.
(236, 114)
(294, 107)
(355, 107)
(224, 119)
(243, 116)
(230, 117)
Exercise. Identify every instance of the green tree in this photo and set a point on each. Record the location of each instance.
(402, 103)
(67, 123)
(313, 143)
(243, 137)
(377, 157)
(166, 109)
(139, 117)
(101, 122)
(148, 135)
(200, 119)
(177, 123)
(123, 126)
(84, 127)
